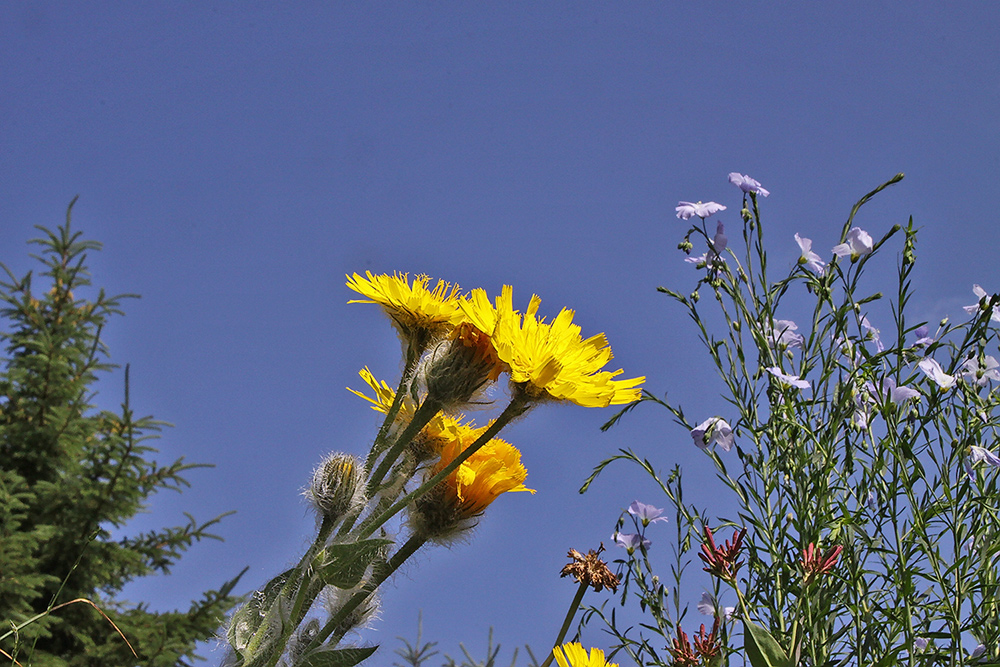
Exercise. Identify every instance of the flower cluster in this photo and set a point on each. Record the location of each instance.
(706, 649)
(544, 360)
(815, 564)
(721, 561)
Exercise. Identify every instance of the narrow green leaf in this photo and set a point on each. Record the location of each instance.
(343, 565)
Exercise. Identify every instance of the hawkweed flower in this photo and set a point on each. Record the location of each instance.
(788, 380)
(815, 564)
(590, 570)
(983, 304)
(811, 260)
(933, 370)
(747, 184)
(717, 431)
(451, 506)
(574, 655)
(631, 541)
(550, 361)
(721, 561)
(337, 486)
(646, 514)
(686, 210)
(980, 372)
(421, 315)
(859, 243)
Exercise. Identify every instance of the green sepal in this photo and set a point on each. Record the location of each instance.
(761, 648)
(344, 565)
(330, 657)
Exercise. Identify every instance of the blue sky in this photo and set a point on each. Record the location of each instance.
(237, 160)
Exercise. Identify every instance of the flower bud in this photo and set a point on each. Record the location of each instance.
(337, 486)
(456, 368)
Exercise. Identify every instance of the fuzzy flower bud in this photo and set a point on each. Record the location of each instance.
(456, 368)
(337, 486)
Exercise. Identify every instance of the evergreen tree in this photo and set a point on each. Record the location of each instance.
(69, 474)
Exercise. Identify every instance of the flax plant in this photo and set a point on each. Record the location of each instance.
(429, 474)
(862, 458)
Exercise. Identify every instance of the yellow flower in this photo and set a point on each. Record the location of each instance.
(491, 471)
(438, 431)
(574, 655)
(549, 360)
(420, 314)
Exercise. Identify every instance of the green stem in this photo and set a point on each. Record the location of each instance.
(573, 606)
(421, 417)
(517, 406)
(408, 549)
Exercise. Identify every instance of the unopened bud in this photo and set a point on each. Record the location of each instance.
(455, 369)
(695, 296)
(337, 486)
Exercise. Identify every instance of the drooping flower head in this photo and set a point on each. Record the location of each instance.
(686, 210)
(574, 655)
(859, 243)
(493, 470)
(747, 184)
(550, 361)
(419, 314)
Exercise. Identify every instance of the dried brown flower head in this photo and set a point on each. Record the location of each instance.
(590, 569)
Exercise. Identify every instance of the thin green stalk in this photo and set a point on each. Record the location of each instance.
(573, 606)
(515, 408)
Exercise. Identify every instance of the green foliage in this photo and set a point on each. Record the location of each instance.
(70, 474)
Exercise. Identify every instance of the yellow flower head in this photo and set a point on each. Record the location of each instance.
(550, 360)
(493, 470)
(574, 655)
(438, 431)
(420, 314)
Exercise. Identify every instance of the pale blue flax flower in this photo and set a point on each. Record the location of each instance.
(933, 370)
(974, 308)
(978, 454)
(718, 432)
(747, 184)
(872, 333)
(709, 606)
(923, 337)
(631, 541)
(788, 380)
(647, 514)
(782, 335)
(859, 243)
(686, 210)
(812, 261)
(979, 373)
